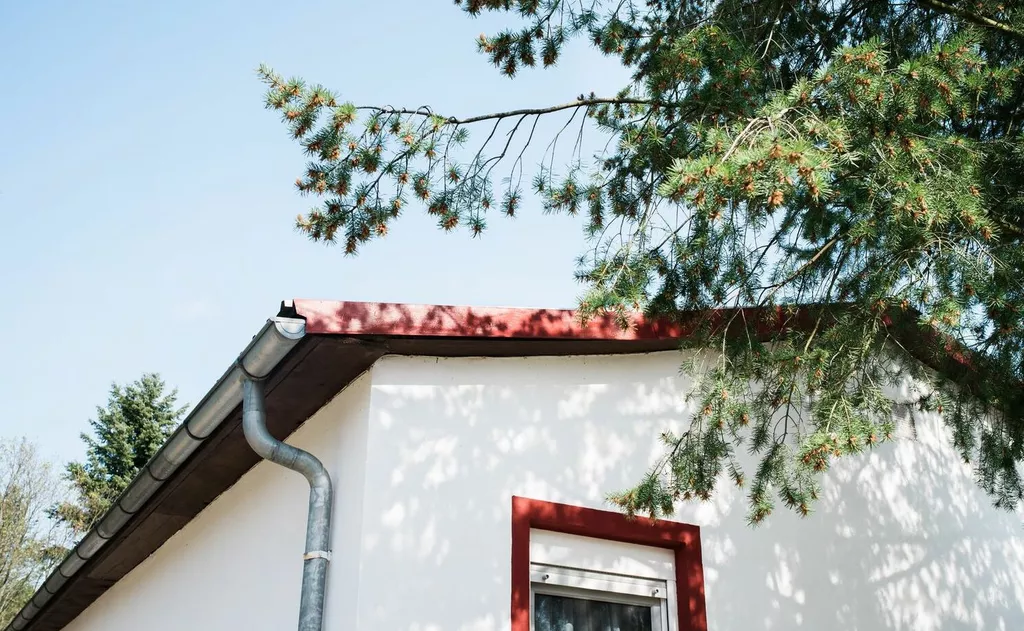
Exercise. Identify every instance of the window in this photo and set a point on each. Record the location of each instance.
(577, 569)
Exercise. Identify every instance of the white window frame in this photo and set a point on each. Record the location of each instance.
(587, 584)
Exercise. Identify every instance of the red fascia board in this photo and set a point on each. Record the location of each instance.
(682, 539)
(327, 317)
(391, 319)
(372, 319)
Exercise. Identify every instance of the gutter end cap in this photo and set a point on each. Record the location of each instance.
(290, 328)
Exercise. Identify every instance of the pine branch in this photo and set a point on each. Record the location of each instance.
(971, 17)
(587, 102)
(775, 287)
(846, 166)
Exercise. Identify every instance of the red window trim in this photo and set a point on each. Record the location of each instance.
(682, 539)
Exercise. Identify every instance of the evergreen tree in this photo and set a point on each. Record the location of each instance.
(127, 432)
(861, 156)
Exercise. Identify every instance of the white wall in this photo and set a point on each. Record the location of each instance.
(902, 539)
(238, 564)
(426, 454)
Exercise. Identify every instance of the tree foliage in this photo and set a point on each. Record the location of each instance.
(136, 421)
(808, 183)
(30, 544)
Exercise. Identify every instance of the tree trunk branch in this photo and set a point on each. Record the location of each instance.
(521, 112)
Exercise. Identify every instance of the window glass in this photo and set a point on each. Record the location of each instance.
(564, 613)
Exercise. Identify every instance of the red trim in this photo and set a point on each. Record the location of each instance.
(391, 319)
(683, 539)
(364, 318)
(328, 317)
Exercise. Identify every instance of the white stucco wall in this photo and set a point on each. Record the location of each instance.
(426, 454)
(902, 538)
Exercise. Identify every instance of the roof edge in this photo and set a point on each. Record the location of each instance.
(396, 320)
(326, 317)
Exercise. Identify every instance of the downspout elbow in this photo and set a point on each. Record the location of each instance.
(254, 426)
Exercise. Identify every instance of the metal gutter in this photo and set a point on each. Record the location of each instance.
(277, 337)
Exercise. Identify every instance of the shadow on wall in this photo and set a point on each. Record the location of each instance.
(901, 539)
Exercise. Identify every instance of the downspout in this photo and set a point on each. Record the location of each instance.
(318, 523)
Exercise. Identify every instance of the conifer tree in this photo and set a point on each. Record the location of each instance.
(828, 191)
(136, 421)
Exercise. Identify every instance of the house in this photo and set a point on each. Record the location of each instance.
(470, 452)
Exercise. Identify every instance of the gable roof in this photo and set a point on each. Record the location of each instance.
(310, 351)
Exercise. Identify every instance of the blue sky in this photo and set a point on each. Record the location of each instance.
(146, 197)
